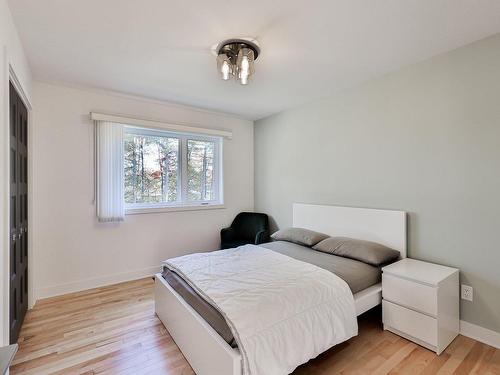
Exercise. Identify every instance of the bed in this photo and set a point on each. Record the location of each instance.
(212, 351)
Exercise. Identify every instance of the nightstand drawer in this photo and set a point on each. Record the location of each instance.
(410, 294)
(409, 322)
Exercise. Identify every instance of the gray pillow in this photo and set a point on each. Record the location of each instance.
(299, 236)
(365, 251)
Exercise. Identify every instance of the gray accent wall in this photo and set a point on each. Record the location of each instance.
(424, 139)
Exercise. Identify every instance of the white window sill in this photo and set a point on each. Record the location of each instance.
(152, 210)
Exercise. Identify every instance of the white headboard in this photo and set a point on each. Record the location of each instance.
(383, 226)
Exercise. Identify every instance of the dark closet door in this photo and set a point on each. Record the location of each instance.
(18, 213)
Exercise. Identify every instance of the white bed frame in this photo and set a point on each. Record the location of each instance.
(207, 352)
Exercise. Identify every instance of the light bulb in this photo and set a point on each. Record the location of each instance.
(224, 66)
(244, 65)
(225, 70)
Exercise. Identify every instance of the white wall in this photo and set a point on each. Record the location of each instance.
(424, 139)
(72, 250)
(11, 55)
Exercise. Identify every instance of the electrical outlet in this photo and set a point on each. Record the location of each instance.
(467, 292)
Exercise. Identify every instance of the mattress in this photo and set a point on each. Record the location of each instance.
(356, 274)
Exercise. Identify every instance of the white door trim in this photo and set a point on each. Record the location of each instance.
(8, 74)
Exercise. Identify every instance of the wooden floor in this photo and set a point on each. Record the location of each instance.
(113, 330)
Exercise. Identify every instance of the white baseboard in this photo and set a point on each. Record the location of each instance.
(484, 335)
(57, 290)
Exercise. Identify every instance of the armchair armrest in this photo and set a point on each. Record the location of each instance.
(262, 237)
(227, 235)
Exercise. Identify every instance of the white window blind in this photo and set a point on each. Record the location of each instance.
(109, 154)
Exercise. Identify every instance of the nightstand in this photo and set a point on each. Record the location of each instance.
(421, 302)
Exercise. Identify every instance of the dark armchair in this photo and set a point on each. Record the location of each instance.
(247, 228)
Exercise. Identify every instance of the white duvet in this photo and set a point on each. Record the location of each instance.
(282, 311)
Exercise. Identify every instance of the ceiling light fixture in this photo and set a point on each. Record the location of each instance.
(235, 58)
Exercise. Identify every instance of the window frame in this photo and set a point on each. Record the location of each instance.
(181, 204)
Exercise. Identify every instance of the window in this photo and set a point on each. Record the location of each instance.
(167, 169)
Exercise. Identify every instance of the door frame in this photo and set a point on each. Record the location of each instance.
(9, 76)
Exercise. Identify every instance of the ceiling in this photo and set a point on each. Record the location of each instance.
(161, 48)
